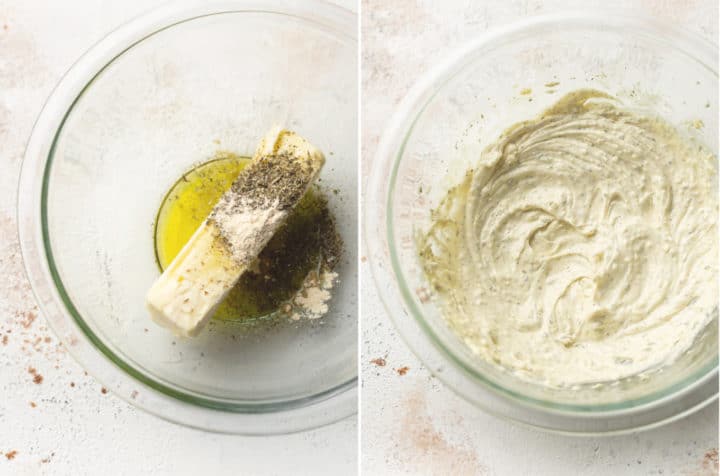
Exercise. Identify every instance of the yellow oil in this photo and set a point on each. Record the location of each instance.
(279, 272)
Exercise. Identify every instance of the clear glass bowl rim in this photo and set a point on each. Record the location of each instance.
(160, 399)
(392, 285)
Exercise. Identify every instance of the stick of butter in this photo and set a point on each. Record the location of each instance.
(187, 293)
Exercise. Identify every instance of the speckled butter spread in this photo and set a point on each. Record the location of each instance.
(582, 248)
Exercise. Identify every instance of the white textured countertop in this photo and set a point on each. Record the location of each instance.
(412, 424)
(63, 423)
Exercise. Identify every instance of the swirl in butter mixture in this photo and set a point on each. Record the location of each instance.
(582, 248)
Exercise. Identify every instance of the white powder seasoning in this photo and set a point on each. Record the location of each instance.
(247, 227)
(312, 301)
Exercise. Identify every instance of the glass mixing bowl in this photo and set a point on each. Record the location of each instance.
(148, 102)
(438, 133)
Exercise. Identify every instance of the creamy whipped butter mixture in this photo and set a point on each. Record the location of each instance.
(583, 246)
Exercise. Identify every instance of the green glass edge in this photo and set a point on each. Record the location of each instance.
(96, 341)
(487, 382)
